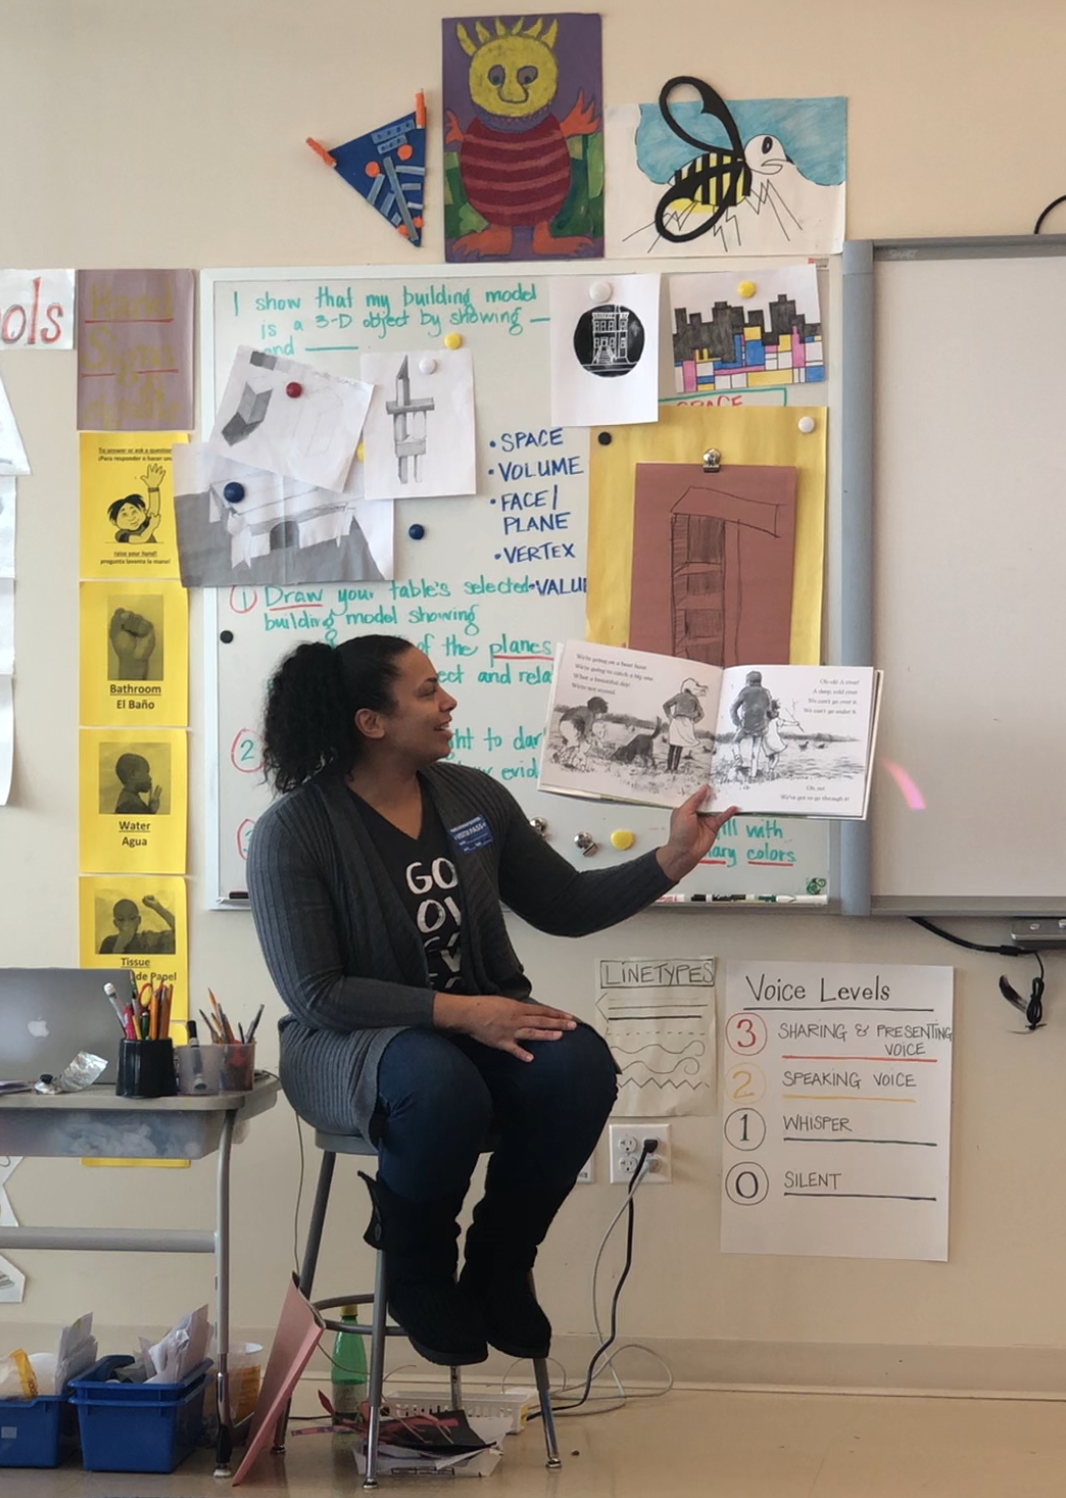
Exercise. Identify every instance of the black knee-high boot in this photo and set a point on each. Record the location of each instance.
(419, 1241)
(501, 1245)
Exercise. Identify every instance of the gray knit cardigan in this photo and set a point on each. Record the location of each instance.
(346, 956)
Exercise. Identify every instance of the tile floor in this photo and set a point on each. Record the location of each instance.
(689, 1444)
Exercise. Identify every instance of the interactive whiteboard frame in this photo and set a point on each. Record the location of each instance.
(858, 476)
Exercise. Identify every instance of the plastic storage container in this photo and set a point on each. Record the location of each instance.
(137, 1427)
(39, 1432)
(214, 1068)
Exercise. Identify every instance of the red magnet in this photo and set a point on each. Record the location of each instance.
(294, 389)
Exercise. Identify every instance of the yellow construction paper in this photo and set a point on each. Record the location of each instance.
(742, 434)
(134, 786)
(137, 922)
(135, 654)
(127, 504)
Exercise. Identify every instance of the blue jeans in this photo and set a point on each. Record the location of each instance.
(440, 1095)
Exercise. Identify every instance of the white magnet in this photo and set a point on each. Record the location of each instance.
(806, 423)
(427, 365)
(600, 291)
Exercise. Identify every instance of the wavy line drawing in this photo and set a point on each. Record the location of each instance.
(626, 1051)
(689, 1067)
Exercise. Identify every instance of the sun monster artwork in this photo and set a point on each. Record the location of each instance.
(523, 144)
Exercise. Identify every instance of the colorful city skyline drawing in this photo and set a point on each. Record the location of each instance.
(733, 334)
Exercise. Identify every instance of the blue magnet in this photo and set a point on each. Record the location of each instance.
(234, 493)
(416, 532)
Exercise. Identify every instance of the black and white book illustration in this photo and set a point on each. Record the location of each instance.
(238, 525)
(290, 418)
(658, 1017)
(420, 435)
(626, 725)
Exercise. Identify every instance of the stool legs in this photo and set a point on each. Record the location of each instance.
(547, 1414)
(378, 1339)
(376, 1372)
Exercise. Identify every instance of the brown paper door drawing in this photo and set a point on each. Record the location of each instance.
(712, 562)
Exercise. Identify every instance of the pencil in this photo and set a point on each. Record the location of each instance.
(209, 1022)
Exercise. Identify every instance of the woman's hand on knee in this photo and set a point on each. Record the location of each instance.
(500, 1022)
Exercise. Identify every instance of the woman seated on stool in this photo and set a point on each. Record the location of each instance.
(376, 881)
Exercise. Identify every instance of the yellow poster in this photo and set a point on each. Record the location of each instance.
(134, 787)
(127, 504)
(742, 434)
(135, 654)
(137, 922)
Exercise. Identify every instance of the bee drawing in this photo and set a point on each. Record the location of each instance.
(720, 178)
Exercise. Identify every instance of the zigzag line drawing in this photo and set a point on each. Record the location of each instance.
(662, 1082)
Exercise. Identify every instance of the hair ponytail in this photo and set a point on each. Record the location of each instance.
(312, 700)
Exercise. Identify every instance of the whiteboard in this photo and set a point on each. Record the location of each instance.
(969, 555)
(488, 613)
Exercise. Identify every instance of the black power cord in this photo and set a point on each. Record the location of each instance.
(650, 1145)
(1053, 204)
(1033, 1007)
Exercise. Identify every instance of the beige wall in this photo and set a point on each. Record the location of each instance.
(134, 133)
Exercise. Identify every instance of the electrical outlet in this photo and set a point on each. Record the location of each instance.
(627, 1141)
(587, 1174)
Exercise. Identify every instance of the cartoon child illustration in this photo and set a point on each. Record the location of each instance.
(575, 730)
(683, 711)
(753, 713)
(135, 774)
(134, 518)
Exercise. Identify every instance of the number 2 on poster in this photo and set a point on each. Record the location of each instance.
(745, 1082)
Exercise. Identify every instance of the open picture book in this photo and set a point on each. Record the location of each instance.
(624, 725)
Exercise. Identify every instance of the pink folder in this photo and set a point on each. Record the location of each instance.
(296, 1338)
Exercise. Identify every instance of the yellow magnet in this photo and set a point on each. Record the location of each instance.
(746, 288)
(623, 838)
(453, 340)
(360, 452)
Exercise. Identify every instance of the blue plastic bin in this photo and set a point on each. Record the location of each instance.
(39, 1432)
(137, 1427)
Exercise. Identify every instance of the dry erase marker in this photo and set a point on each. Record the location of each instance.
(112, 999)
(787, 899)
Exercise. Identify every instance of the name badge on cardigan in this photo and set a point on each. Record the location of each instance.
(471, 835)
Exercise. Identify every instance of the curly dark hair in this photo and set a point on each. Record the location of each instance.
(312, 700)
(115, 509)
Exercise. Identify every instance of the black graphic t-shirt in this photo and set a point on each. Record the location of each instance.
(424, 874)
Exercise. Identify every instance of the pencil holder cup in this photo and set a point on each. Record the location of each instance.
(146, 1069)
(215, 1068)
